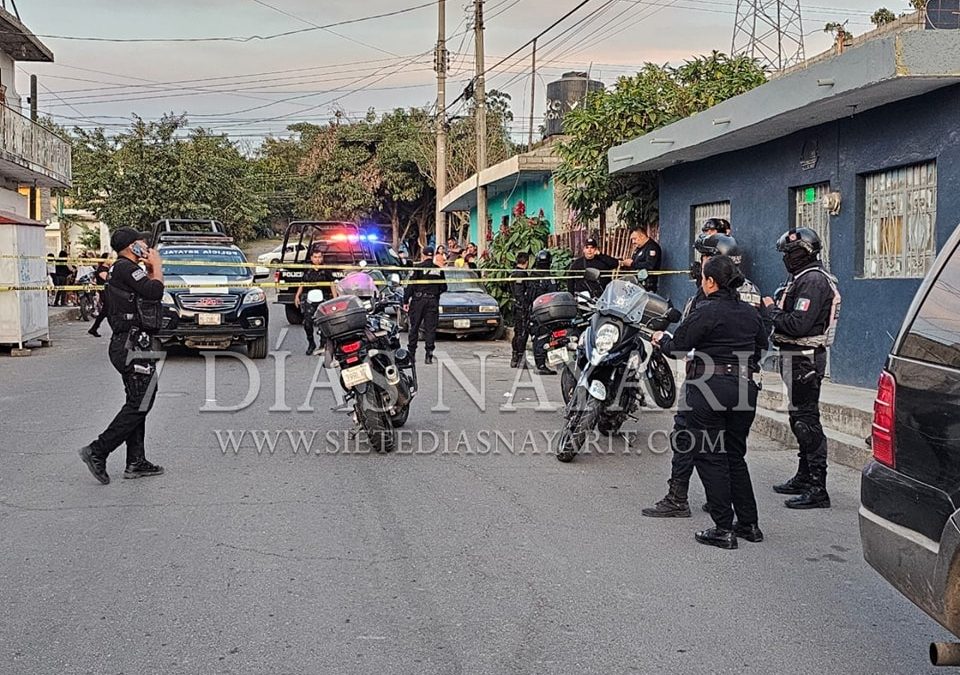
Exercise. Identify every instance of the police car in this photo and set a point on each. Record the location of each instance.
(342, 243)
(210, 303)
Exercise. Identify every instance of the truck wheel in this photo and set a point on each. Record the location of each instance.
(294, 315)
(257, 349)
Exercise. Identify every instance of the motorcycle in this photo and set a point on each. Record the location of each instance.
(361, 337)
(558, 319)
(614, 359)
(88, 300)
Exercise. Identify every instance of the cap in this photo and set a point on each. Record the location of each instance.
(591, 242)
(428, 250)
(125, 236)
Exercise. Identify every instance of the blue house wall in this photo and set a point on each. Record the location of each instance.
(535, 195)
(759, 184)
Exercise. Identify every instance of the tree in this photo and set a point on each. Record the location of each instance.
(656, 96)
(882, 17)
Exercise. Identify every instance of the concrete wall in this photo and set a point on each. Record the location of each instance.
(758, 183)
(8, 72)
(536, 195)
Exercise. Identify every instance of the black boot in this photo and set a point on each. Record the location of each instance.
(428, 358)
(815, 497)
(515, 360)
(141, 469)
(797, 485)
(748, 532)
(311, 348)
(97, 465)
(674, 505)
(543, 370)
(718, 537)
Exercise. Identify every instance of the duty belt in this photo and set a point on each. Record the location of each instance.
(696, 370)
(423, 294)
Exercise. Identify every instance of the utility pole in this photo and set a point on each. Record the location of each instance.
(441, 67)
(32, 212)
(480, 96)
(533, 91)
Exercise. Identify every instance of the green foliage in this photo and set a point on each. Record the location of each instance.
(656, 96)
(90, 239)
(882, 17)
(524, 235)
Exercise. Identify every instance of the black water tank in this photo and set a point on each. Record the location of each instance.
(563, 96)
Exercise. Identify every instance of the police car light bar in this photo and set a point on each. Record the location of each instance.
(354, 238)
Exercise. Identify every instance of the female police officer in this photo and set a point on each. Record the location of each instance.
(727, 335)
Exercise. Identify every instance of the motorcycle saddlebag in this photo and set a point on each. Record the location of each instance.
(341, 316)
(554, 307)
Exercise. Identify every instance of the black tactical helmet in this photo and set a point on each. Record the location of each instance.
(543, 260)
(718, 244)
(800, 237)
(721, 225)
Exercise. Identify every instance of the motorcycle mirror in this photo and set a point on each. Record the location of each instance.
(642, 275)
(394, 279)
(591, 274)
(314, 296)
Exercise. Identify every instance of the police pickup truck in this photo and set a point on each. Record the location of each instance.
(342, 243)
(210, 303)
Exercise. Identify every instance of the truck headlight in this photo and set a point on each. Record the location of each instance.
(254, 296)
(489, 309)
(167, 299)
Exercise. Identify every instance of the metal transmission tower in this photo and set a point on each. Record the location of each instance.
(770, 31)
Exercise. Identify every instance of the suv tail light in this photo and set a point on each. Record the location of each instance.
(884, 413)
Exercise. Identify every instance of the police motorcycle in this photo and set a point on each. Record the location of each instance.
(558, 319)
(615, 358)
(361, 338)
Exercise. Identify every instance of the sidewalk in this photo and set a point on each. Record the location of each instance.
(58, 315)
(846, 414)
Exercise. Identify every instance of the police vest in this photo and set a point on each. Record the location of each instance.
(826, 338)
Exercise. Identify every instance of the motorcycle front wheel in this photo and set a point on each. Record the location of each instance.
(580, 422)
(663, 386)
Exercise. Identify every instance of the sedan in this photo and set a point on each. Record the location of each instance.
(466, 308)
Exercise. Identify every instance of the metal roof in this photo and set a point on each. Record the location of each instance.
(17, 41)
(876, 73)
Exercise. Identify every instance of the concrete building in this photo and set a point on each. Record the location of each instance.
(863, 147)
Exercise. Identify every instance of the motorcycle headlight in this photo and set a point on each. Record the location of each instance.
(488, 309)
(167, 299)
(607, 336)
(254, 296)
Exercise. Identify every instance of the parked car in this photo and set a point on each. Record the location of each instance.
(909, 521)
(273, 257)
(466, 308)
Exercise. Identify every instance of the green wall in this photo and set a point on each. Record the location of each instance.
(535, 194)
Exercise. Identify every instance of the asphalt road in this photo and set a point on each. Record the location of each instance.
(471, 558)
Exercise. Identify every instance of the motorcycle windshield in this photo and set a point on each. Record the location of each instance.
(623, 300)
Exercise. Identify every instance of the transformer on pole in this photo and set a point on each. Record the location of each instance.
(770, 31)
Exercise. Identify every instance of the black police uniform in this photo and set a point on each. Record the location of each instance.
(648, 257)
(424, 301)
(313, 276)
(100, 276)
(601, 262)
(724, 328)
(522, 292)
(802, 326)
(126, 283)
(537, 287)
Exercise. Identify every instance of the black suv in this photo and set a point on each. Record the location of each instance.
(212, 305)
(342, 244)
(910, 491)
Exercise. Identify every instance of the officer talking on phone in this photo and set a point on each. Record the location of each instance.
(134, 313)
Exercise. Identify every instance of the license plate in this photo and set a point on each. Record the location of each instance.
(356, 375)
(557, 356)
(208, 319)
(461, 323)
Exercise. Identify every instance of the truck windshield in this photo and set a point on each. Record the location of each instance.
(204, 261)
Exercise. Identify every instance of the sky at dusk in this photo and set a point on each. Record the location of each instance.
(250, 89)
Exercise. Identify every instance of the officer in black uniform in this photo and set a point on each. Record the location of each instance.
(591, 259)
(716, 226)
(675, 504)
(728, 336)
(134, 312)
(521, 290)
(646, 256)
(313, 276)
(804, 319)
(422, 301)
(539, 285)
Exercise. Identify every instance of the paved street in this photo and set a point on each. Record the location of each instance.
(463, 560)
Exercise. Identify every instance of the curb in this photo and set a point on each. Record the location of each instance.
(62, 317)
(844, 449)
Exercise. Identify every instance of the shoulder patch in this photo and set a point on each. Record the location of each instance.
(803, 304)
(138, 275)
(653, 252)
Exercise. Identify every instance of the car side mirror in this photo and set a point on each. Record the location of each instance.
(314, 296)
(591, 274)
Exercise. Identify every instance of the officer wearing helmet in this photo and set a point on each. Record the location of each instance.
(540, 284)
(675, 504)
(804, 318)
(716, 226)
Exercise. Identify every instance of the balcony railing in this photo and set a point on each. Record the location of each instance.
(32, 154)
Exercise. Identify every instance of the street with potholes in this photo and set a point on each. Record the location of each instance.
(469, 550)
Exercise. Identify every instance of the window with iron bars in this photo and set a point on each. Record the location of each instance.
(810, 212)
(900, 214)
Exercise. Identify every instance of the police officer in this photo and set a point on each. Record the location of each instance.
(521, 290)
(804, 319)
(133, 312)
(728, 336)
(540, 284)
(311, 278)
(421, 300)
(591, 259)
(675, 504)
(646, 256)
(716, 226)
